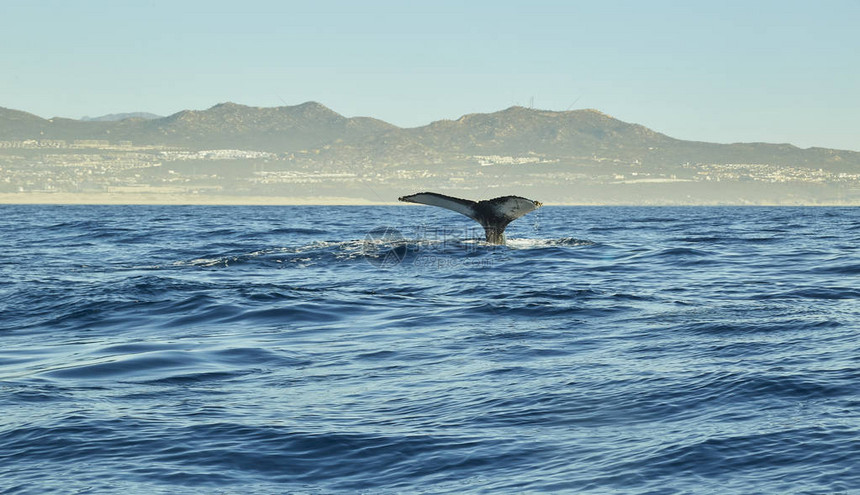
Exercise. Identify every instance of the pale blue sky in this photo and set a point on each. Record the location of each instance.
(773, 71)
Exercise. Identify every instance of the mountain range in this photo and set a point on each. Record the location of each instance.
(568, 136)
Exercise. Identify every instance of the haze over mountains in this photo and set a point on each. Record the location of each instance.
(308, 149)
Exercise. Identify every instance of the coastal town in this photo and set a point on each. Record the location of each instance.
(100, 166)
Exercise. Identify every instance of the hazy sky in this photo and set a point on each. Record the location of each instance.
(722, 71)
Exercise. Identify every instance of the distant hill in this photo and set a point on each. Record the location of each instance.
(15, 124)
(290, 128)
(226, 125)
(114, 117)
(514, 131)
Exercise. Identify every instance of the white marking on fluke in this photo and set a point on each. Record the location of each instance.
(493, 214)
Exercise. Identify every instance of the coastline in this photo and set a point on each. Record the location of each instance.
(226, 200)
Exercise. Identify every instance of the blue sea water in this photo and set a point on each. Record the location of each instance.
(188, 349)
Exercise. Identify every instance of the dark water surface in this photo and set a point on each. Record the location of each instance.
(285, 350)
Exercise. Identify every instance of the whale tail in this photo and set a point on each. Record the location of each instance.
(493, 214)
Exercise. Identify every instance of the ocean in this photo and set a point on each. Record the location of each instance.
(386, 349)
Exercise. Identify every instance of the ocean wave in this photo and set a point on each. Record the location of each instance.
(812, 293)
(224, 453)
(838, 268)
(776, 458)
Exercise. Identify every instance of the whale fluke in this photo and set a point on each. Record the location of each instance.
(493, 214)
